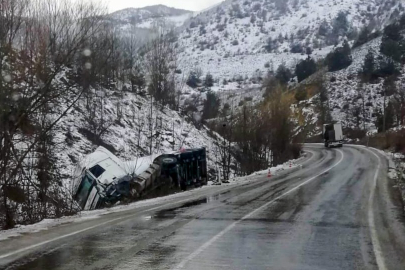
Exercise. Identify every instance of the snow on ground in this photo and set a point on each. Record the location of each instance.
(169, 21)
(94, 214)
(345, 94)
(128, 136)
(228, 39)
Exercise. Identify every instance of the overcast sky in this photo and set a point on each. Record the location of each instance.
(195, 5)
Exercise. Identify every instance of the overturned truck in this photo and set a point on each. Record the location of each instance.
(105, 180)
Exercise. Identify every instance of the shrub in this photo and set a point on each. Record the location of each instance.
(392, 42)
(305, 68)
(193, 81)
(211, 106)
(340, 58)
(283, 74)
(364, 37)
(301, 94)
(297, 48)
(209, 80)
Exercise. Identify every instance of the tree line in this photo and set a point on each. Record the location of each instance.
(56, 57)
(255, 136)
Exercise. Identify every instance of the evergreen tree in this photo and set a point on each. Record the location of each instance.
(138, 81)
(253, 18)
(193, 80)
(368, 65)
(389, 118)
(305, 68)
(340, 58)
(209, 80)
(211, 106)
(386, 67)
(271, 45)
(363, 37)
(283, 74)
(392, 43)
(341, 24)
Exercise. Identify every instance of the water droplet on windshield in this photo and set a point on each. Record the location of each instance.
(16, 96)
(87, 52)
(6, 77)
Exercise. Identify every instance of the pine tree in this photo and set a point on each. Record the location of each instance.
(305, 68)
(340, 58)
(341, 24)
(363, 37)
(283, 74)
(393, 43)
(369, 65)
(209, 80)
(211, 106)
(193, 81)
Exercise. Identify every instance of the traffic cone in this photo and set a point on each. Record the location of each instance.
(269, 174)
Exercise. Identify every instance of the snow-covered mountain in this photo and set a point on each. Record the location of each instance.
(150, 17)
(347, 92)
(239, 38)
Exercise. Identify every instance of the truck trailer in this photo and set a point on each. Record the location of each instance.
(105, 180)
(333, 135)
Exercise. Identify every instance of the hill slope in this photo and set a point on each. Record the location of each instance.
(244, 37)
(150, 16)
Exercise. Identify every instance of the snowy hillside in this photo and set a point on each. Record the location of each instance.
(128, 119)
(243, 37)
(343, 87)
(150, 17)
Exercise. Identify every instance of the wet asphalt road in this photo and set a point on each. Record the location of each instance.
(328, 215)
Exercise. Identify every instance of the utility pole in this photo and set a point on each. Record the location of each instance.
(151, 124)
(384, 118)
(174, 141)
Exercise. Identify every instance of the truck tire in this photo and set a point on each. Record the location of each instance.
(326, 144)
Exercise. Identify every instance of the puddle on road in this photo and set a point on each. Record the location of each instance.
(172, 212)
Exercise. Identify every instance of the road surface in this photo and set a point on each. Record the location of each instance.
(339, 211)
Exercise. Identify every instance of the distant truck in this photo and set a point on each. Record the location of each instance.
(105, 180)
(333, 135)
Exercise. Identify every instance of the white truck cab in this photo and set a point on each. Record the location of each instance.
(104, 179)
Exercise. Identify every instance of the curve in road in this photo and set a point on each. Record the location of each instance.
(339, 211)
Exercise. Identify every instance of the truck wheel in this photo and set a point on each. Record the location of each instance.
(326, 145)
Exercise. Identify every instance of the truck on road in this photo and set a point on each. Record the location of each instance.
(103, 179)
(333, 135)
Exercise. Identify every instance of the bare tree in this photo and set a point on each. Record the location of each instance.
(43, 37)
(161, 65)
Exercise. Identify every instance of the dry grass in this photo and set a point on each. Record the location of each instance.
(392, 140)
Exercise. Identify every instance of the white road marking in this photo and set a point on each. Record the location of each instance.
(312, 156)
(89, 228)
(207, 244)
(371, 221)
(13, 253)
